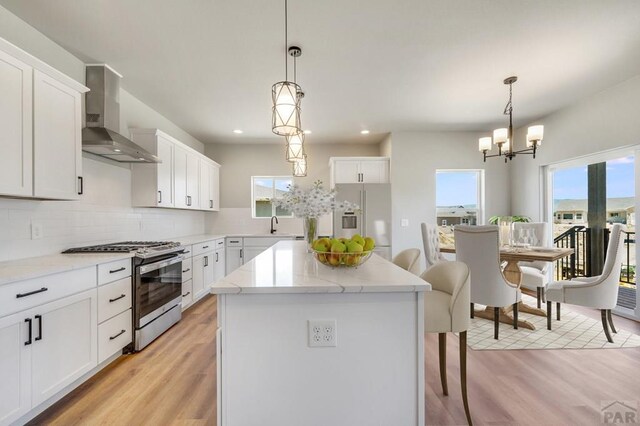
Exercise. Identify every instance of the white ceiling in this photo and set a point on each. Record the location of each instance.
(408, 65)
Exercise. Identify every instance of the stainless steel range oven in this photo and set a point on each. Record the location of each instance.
(157, 296)
(156, 285)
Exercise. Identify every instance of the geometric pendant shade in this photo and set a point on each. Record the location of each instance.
(300, 167)
(286, 108)
(295, 147)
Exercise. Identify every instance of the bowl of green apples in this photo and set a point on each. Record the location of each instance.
(343, 252)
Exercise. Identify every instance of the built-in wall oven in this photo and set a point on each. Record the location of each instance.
(156, 285)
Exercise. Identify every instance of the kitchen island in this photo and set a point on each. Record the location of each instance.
(301, 343)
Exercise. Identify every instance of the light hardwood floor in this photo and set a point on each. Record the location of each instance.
(173, 382)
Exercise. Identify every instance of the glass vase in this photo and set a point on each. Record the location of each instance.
(310, 225)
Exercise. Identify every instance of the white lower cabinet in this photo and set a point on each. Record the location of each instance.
(15, 368)
(202, 274)
(220, 265)
(187, 293)
(64, 343)
(113, 335)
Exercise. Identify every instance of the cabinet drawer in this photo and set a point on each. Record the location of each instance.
(187, 269)
(203, 247)
(22, 295)
(113, 271)
(188, 252)
(187, 293)
(234, 242)
(263, 241)
(114, 298)
(113, 335)
(219, 243)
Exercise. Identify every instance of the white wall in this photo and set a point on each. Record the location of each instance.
(241, 161)
(605, 121)
(416, 156)
(103, 215)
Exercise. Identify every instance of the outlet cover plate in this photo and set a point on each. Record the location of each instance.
(36, 230)
(323, 333)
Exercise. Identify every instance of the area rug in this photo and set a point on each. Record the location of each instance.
(573, 331)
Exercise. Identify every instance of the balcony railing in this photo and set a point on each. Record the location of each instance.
(578, 264)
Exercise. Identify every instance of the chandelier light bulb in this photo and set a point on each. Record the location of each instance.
(500, 135)
(484, 144)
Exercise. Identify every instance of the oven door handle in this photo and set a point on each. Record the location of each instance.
(162, 264)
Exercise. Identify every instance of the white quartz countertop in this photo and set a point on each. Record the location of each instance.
(286, 267)
(195, 239)
(34, 267)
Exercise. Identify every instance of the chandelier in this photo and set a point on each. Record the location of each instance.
(286, 95)
(300, 167)
(503, 137)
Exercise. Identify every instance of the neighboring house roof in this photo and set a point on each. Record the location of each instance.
(266, 192)
(456, 211)
(613, 204)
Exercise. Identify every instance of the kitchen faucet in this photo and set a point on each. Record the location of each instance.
(273, 230)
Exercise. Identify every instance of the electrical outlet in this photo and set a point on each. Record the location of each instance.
(323, 333)
(36, 231)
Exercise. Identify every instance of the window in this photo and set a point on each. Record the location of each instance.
(579, 216)
(559, 216)
(459, 200)
(567, 216)
(263, 190)
(614, 214)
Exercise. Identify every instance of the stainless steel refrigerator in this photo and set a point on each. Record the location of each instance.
(373, 219)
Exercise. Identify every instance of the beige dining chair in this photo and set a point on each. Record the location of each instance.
(446, 310)
(599, 292)
(431, 244)
(535, 275)
(479, 248)
(408, 260)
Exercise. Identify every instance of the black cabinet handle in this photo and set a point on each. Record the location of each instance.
(186, 270)
(30, 293)
(186, 294)
(186, 252)
(39, 318)
(206, 261)
(122, 296)
(117, 270)
(159, 197)
(234, 241)
(217, 259)
(240, 253)
(28, 321)
(81, 182)
(205, 247)
(117, 335)
(210, 204)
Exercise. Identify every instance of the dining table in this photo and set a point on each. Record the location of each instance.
(512, 273)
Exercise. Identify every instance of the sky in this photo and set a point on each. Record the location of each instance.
(572, 183)
(456, 188)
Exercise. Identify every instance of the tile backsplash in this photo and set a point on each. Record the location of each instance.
(103, 215)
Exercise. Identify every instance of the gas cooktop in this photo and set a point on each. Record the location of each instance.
(141, 248)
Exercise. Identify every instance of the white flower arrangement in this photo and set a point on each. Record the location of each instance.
(311, 203)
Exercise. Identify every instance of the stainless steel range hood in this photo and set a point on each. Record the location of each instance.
(101, 136)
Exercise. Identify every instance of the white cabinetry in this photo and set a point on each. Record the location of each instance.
(40, 118)
(359, 170)
(187, 278)
(241, 250)
(185, 179)
(64, 343)
(153, 183)
(16, 115)
(15, 368)
(233, 255)
(202, 274)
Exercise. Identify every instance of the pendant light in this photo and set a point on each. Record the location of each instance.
(295, 147)
(300, 167)
(285, 95)
(503, 137)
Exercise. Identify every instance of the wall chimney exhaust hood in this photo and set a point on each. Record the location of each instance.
(101, 136)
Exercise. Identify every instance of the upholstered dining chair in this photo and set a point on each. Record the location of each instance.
(431, 243)
(599, 292)
(535, 275)
(408, 260)
(479, 248)
(446, 309)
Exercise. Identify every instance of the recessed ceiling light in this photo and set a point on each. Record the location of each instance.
(364, 132)
(237, 131)
(307, 132)
(116, 150)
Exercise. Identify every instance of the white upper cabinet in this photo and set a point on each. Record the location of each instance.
(153, 183)
(16, 114)
(185, 179)
(41, 122)
(359, 170)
